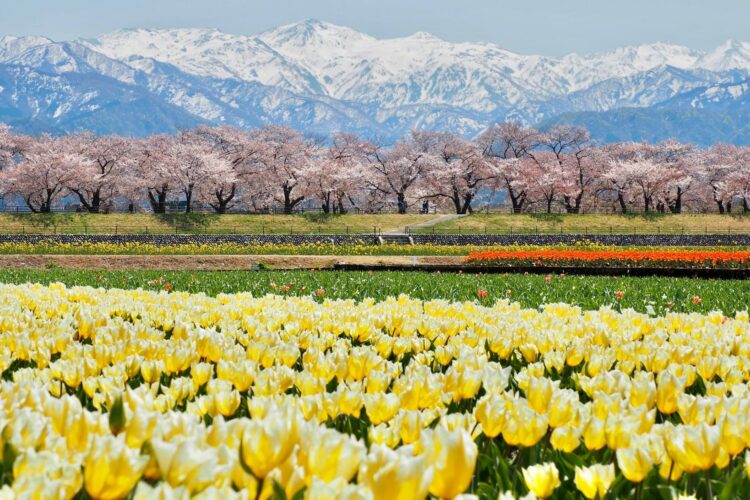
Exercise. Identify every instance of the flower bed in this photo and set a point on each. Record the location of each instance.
(167, 395)
(614, 258)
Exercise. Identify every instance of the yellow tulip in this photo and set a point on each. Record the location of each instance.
(139, 427)
(634, 463)
(563, 408)
(151, 371)
(336, 489)
(290, 475)
(268, 442)
(694, 448)
(381, 407)
(453, 457)
(733, 429)
(410, 424)
(162, 491)
(44, 475)
(594, 434)
(524, 427)
(541, 479)
(111, 469)
(201, 373)
(394, 475)
(329, 455)
(490, 412)
(186, 464)
(594, 480)
(668, 388)
(539, 393)
(566, 438)
(227, 402)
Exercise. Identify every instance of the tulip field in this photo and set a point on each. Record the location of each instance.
(282, 386)
(653, 295)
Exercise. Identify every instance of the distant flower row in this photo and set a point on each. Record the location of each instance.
(614, 258)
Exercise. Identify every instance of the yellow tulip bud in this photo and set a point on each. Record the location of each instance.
(668, 388)
(227, 402)
(595, 480)
(393, 475)
(268, 442)
(329, 455)
(490, 412)
(634, 463)
(111, 469)
(539, 393)
(541, 479)
(694, 448)
(453, 457)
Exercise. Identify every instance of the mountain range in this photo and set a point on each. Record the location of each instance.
(321, 78)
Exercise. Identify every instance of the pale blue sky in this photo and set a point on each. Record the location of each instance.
(549, 27)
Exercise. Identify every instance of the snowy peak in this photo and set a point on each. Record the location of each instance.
(312, 32)
(323, 77)
(207, 53)
(11, 46)
(70, 57)
(732, 54)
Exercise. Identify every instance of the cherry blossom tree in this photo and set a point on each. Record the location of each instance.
(459, 168)
(545, 179)
(579, 163)
(196, 170)
(284, 160)
(153, 167)
(105, 171)
(44, 173)
(717, 165)
(505, 144)
(678, 161)
(336, 177)
(398, 172)
(739, 179)
(242, 152)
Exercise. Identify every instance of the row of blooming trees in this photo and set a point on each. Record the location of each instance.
(224, 168)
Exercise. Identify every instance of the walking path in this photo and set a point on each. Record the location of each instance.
(399, 231)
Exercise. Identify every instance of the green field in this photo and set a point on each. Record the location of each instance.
(312, 223)
(316, 223)
(589, 292)
(493, 223)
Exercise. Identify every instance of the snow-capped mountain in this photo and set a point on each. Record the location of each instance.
(322, 77)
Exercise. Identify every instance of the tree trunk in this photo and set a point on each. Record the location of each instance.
(517, 201)
(289, 202)
(189, 199)
(456, 199)
(621, 201)
(468, 198)
(325, 206)
(222, 201)
(158, 200)
(676, 206)
(402, 205)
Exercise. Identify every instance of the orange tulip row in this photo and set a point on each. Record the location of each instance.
(670, 258)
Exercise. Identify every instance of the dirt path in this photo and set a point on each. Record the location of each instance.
(208, 262)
